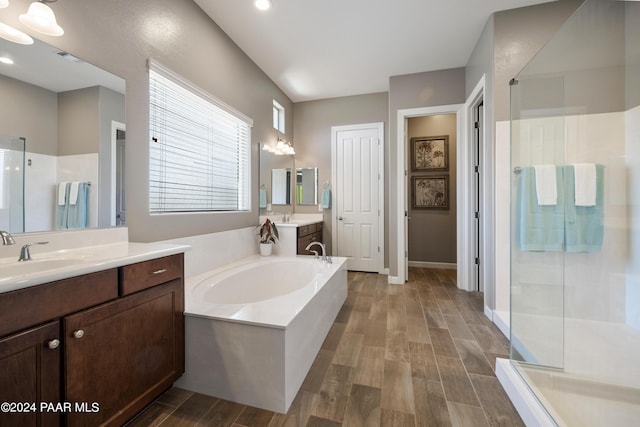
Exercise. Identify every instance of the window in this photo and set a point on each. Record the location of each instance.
(199, 157)
(278, 116)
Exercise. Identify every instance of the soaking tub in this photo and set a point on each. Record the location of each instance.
(253, 328)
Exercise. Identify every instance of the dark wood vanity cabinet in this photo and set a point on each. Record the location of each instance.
(30, 374)
(307, 234)
(122, 355)
(113, 356)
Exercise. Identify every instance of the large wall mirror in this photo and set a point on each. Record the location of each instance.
(276, 192)
(71, 117)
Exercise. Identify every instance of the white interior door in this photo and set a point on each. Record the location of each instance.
(358, 179)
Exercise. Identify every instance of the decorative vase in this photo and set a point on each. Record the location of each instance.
(266, 248)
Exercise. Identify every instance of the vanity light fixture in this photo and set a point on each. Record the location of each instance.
(263, 4)
(7, 32)
(282, 148)
(41, 18)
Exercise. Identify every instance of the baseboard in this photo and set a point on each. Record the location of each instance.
(395, 280)
(426, 264)
(528, 406)
(501, 320)
(385, 271)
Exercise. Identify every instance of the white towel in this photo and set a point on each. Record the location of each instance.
(73, 193)
(585, 181)
(546, 185)
(62, 193)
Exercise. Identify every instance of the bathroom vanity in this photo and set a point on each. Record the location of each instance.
(297, 233)
(93, 348)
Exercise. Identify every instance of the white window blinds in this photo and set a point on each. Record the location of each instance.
(199, 157)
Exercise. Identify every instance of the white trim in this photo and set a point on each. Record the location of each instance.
(115, 126)
(395, 280)
(402, 117)
(427, 264)
(501, 320)
(465, 217)
(528, 406)
(334, 179)
(385, 271)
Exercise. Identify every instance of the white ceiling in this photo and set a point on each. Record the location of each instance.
(330, 48)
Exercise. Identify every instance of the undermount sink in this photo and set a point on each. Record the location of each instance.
(35, 266)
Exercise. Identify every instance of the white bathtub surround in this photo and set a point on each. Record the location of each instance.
(214, 250)
(257, 348)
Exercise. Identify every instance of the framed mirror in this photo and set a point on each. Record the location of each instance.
(71, 116)
(307, 186)
(280, 197)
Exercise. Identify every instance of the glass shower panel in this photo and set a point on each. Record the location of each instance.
(575, 224)
(12, 184)
(537, 256)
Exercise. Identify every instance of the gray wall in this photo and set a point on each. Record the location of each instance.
(427, 89)
(31, 112)
(79, 121)
(632, 54)
(312, 130)
(519, 34)
(432, 232)
(120, 36)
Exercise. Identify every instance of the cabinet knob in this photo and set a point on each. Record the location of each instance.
(78, 334)
(53, 344)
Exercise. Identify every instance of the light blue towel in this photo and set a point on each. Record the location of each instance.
(62, 210)
(78, 214)
(326, 199)
(263, 198)
(584, 225)
(540, 228)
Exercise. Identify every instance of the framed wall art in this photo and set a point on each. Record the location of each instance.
(430, 192)
(430, 153)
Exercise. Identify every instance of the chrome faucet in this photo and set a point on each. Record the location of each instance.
(7, 238)
(25, 255)
(325, 258)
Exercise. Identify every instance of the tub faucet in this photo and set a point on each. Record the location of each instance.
(325, 258)
(7, 238)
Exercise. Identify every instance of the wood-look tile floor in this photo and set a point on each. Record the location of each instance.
(422, 354)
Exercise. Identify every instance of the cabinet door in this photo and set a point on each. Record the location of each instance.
(121, 355)
(30, 374)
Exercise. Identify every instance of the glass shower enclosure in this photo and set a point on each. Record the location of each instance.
(575, 219)
(12, 158)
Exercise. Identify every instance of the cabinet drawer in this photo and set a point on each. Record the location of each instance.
(31, 306)
(146, 274)
(305, 230)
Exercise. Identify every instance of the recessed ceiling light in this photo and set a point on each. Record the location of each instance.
(263, 4)
(5, 60)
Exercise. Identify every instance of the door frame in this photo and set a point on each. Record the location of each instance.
(466, 267)
(402, 172)
(334, 179)
(115, 127)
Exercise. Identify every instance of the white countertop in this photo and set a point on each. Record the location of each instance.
(297, 220)
(66, 263)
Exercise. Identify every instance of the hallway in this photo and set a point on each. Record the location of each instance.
(416, 355)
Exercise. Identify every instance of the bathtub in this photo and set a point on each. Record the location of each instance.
(254, 327)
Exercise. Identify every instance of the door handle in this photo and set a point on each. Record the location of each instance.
(340, 218)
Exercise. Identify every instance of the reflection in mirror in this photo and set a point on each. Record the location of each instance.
(269, 162)
(12, 184)
(69, 113)
(307, 186)
(281, 186)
